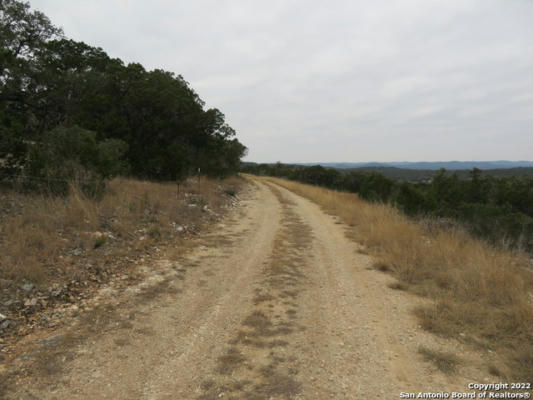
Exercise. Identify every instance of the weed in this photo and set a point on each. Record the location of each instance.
(154, 231)
(493, 370)
(258, 321)
(278, 384)
(445, 362)
(381, 266)
(398, 286)
(230, 361)
(100, 241)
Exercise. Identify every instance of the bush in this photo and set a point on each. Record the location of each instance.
(66, 155)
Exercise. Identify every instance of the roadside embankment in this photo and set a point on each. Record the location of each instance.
(482, 294)
(56, 250)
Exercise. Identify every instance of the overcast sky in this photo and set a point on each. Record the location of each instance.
(354, 80)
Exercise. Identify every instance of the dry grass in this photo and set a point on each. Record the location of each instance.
(482, 294)
(398, 286)
(494, 370)
(45, 239)
(277, 384)
(445, 362)
(230, 361)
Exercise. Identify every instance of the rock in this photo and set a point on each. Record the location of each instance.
(6, 324)
(2, 317)
(10, 303)
(50, 342)
(27, 287)
(76, 252)
(30, 302)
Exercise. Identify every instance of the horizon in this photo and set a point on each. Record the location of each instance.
(392, 162)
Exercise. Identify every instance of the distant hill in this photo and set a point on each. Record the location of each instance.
(424, 171)
(422, 175)
(430, 165)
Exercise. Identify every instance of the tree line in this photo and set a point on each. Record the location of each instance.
(497, 209)
(68, 109)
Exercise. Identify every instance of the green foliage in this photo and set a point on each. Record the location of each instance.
(12, 148)
(497, 209)
(48, 81)
(99, 241)
(66, 155)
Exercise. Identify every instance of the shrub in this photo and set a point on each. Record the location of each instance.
(66, 155)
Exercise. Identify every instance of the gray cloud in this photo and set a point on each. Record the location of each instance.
(339, 80)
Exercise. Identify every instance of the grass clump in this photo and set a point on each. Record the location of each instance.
(494, 370)
(99, 241)
(445, 362)
(398, 286)
(230, 361)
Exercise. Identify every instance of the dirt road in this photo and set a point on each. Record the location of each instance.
(274, 303)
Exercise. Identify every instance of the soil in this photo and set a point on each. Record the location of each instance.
(274, 302)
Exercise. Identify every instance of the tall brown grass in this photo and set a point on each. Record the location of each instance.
(43, 238)
(482, 294)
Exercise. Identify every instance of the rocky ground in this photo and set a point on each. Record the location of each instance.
(272, 302)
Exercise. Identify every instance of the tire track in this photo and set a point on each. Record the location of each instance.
(260, 362)
(158, 342)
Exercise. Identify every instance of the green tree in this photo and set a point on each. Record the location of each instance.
(66, 155)
(22, 34)
(49, 81)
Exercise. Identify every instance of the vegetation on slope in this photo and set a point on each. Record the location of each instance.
(482, 295)
(150, 124)
(54, 247)
(72, 119)
(426, 175)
